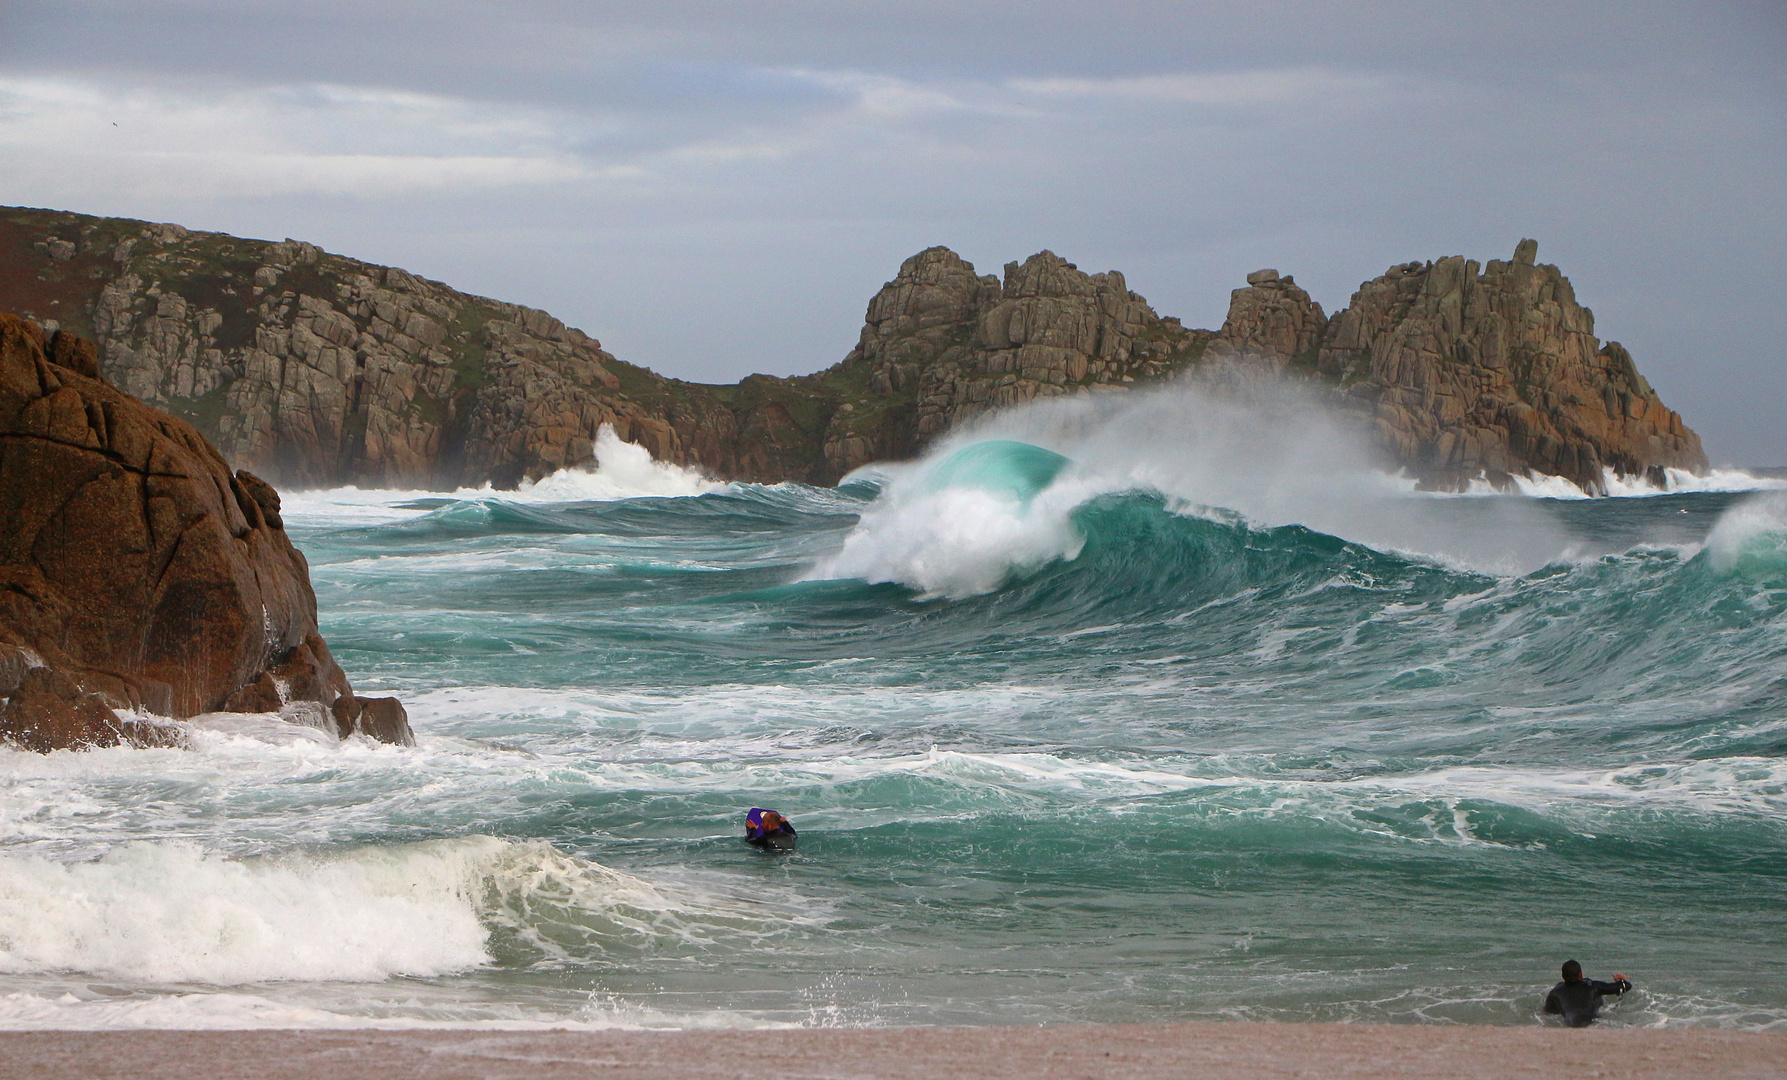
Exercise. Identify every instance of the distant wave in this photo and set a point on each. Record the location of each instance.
(623, 470)
(1676, 482)
(1751, 537)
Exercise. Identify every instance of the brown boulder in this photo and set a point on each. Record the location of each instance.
(1272, 317)
(47, 711)
(135, 569)
(386, 720)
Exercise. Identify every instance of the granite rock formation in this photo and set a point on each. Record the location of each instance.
(137, 571)
(1470, 372)
(314, 369)
(1271, 318)
(941, 345)
(1461, 373)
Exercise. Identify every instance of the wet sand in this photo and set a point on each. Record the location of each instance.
(1117, 1052)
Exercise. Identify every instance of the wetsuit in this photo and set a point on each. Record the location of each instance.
(768, 829)
(1579, 1000)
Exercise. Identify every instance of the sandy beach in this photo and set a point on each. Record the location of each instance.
(1118, 1052)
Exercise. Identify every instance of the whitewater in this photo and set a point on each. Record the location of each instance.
(1146, 707)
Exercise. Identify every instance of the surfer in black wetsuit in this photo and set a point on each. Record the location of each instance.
(1577, 999)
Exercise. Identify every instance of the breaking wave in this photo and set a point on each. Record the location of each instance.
(1150, 708)
(623, 470)
(168, 912)
(1751, 537)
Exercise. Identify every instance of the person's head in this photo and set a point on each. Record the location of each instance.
(1572, 971)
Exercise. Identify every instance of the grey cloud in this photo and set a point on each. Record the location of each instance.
(717, 188)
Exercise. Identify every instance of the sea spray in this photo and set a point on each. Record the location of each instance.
(623, 470)
(1277, 455)
(1193, 762)
(1751, 537)
(954, 524)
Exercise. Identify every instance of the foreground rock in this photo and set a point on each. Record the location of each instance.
(136, 570)
(314, 369)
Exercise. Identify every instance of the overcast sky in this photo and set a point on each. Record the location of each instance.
(718, 188)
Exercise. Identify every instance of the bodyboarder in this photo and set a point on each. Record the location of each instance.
(769, 830)
(1577, 999)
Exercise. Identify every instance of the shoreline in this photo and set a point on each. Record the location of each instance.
(1205, 1049)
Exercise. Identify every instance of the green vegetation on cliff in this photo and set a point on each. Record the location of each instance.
(315, 368)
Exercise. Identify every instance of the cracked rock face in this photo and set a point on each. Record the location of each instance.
(314, 369)
(136, 569)
(1466, 371)
(941, 345)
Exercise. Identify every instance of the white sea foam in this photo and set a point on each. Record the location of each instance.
(80, 1008)
(168, 912)
(957, 542)
(1276, 458)
(1540, 485)
(1675, 482)
(623, 470)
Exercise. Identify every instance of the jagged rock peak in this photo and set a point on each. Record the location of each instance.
(1271, 320)
(316, 369)
(933, 288)
(1469, 371)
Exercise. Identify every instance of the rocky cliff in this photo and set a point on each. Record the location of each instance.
(1460, 372)
(941, 345)
(138, 571)
(312, 368)
(1467, 371)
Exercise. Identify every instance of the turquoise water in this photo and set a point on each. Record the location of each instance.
(1060, 748)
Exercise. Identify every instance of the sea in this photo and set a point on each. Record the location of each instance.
(1143, 707)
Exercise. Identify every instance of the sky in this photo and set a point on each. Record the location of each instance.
(718, 188)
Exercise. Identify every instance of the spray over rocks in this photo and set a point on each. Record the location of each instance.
(1008, 494)
(317, 370)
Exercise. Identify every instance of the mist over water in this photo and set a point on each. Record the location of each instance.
(1125, 709)
(1274, 456)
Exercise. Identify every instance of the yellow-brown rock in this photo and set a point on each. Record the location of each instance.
(1466, 373)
